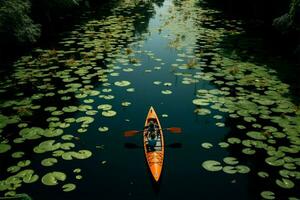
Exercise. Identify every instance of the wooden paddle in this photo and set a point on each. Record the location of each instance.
(134, 132)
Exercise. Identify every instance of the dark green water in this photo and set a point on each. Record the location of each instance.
(177, 46)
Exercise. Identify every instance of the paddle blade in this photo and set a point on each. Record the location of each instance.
(130, 133)
(174, 130)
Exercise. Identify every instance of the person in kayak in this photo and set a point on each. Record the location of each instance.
(152, 129)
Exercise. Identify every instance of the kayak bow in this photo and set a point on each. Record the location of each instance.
(155, 154)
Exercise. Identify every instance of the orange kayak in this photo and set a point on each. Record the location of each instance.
(154, 154)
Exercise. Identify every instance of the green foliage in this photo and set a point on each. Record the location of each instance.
(15, 22)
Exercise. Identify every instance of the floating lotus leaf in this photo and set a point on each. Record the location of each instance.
(10, 194)
(242, 169)
(31, 133)
(89, 101)
(230, 160)
(77, 170)
(223, 144)
(57, 113)
(274, 161)
(68, 155)
(103, 129)
(52, 132)
(58, 153)
(67, 146)
(157, 82)
(30, 178)
(78, 177)
(218, 116)
(206, 145)
(104, 107)
(24, 163)
(69, 187)
(4, 147)
(91, 112)
(200, 102)
(18, 154)
(82, 130)
(49, 162)
(85, 120)
(166, 92)
(285, 183)
(212, 165)
(122, 83)
(109, 113)
(290, 166)
(52, 178)
(267, 195)
(263, 174)
(126, 103)
(70, 109)
(202, 111)
(220, 124)
(46, 146)
(67, 137)
(248, 151)
(256, 135)
(13, 169)
(130, 90)
(229, 170)
(19, 140)
(278, 135)
(234, 140)
(83, 154)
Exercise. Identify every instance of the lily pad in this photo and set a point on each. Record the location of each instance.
(49, 162)
(4, 147)
(122, 83)
(109, 113)
(230, 160)
(69, 187)
(212, 165)
(52, 178)
(206, 145)
(267, 195)
(285, 183)
(103, 129)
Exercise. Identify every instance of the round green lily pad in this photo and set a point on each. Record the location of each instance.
(285, 183)
(206, 145)
(67, 137)
(267, 195)
(69, 187)
(4, 147)
(230, 160)
(256, 135)
(104, 107)
(126, 103)
(13, 169)
(109, 113)
(200, 102)
(103, 129)
(52, 178)
(229, 170)
(77, 170)
(122, 83)
(212, 165)
(166, 92)
(223, 144)
(24, 163)
(243, 169)
(263, 174)
(49, 162)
